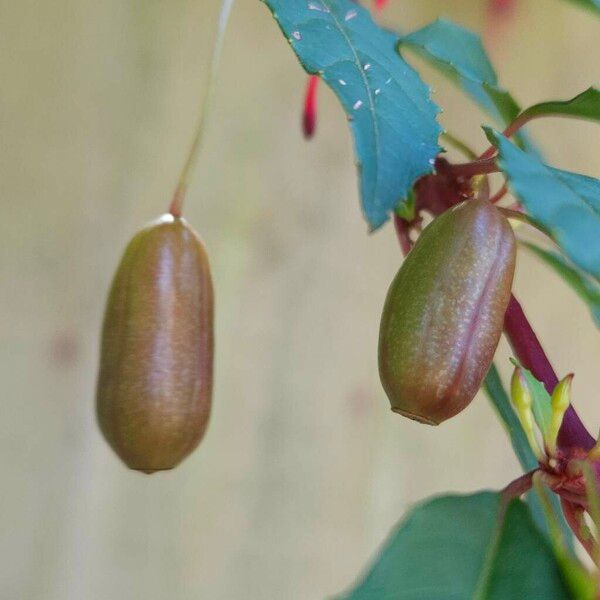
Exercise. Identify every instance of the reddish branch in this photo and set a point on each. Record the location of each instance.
(518, 487)
(574, 515)
(514, 127)
(499, 194)
(531, 355)
(470, 169)
(402, 232)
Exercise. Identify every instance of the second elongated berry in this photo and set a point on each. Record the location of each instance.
(444, 312)
(155, 381)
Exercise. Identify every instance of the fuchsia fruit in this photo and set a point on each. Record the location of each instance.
(444, 312)
(155, 382)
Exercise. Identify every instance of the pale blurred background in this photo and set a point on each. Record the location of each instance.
(304, 469)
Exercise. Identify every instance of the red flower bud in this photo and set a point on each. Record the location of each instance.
(501, 8)
(309, 115)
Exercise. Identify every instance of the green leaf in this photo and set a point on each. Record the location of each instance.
(566, 204)
(585, 287)
(584, 106)
(464, 548)
(541, 402)
(501, 402)
(593, 5)
(392, 117)
(458, 53)
(579, 580)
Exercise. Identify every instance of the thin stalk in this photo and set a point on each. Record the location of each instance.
(176, 205)
(519, 486)
(556, 534)
(522, 217)
(591, 487)
(508, 132)
(574, 517)
(499, 194)
(458, 144)
(402, 233)
(593, 499)
(517, 124)
(481, 185)
(470, 169)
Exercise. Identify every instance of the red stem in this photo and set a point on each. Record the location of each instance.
(499, 194)
(514, 127)
(531, 355)
(470, 169)
(518, 487)
(574, 517)
(508, 133)
(402, 232)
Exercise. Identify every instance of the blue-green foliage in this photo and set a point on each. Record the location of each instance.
(392, 117)
(464, 548)
(566, 204)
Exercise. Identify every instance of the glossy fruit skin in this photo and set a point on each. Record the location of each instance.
(444, 312)
(156, 368)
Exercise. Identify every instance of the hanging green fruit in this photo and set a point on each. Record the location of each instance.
(155, 382)
(444, 312)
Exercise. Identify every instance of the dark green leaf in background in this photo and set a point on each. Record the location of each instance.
(392, 116)
(584, 106)
(458, 53)
(464, 548)
(585, 287)
(566, 204)
(593, 5)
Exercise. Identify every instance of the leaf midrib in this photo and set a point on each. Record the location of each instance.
(555, 173)
(366, 84)
(483, 581)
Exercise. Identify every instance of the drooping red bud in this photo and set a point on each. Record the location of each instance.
(501, 8)
(309, 115)
(499, 15)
